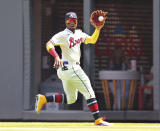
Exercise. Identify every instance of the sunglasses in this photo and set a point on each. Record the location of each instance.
(70, 20)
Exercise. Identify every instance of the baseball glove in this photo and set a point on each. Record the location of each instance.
(94, 18)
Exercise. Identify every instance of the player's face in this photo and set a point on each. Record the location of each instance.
(71, 24)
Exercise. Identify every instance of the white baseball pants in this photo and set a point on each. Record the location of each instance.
(75, 79)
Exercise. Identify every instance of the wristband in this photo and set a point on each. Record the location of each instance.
(49, 46)
(53, 53)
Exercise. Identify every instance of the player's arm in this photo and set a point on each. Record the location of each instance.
(51, 50)
(93, 39)
(98, 24)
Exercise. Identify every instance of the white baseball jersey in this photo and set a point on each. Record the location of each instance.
(74, 79)
(70, 44)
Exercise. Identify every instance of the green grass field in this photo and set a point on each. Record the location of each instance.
(79, 126)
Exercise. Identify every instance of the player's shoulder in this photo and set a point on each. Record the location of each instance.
(60, 34)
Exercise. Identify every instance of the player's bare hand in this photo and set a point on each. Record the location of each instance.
(58, 63)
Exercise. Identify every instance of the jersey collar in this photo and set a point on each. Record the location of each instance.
(69, 31)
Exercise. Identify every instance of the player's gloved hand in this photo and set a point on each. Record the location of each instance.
(58, 63)
(94, 18)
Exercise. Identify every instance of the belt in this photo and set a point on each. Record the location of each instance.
(66, 64)
(70, 63)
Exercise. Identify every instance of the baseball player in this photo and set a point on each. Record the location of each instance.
(68, 67)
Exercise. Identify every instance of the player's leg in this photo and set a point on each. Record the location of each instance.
(68, 86)
(69, 97)
(57, 98)
(41, 100)
(70, 91)
(84, 86)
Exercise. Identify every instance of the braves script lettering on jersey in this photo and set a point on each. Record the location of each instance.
(74, 42)
(70, 43)
(74, 79)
